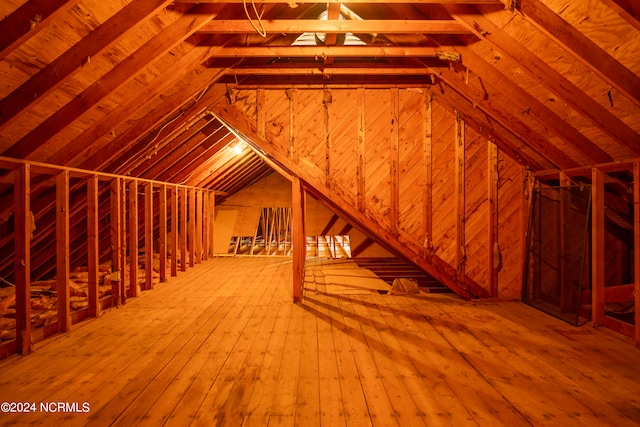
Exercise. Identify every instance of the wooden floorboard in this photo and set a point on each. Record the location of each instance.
(223, 344)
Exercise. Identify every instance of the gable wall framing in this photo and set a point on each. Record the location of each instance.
(369, 146)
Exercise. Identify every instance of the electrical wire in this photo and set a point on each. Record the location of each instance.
(8, 283)
(261, 31)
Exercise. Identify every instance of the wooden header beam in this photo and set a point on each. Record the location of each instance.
(377, 26)
(490, 2)
(314, 70)
(444, 52)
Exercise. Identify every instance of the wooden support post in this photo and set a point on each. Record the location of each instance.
(173, 211)
(636, 245)
(360, 166)
(183, 229)
(597, 247)
(133, 239)
(93, 245)
(148, 236)
(162, 229)
(192, 227)
(198, 213)
(212, 216)
(298, 235)
(460, 199)
(62, 251)
(205, 225)
(427, 158)
(116, 240)
(22, 242)
(529, 185)
(564, 273)
(123, 242)
(395, 159)
(492, 192)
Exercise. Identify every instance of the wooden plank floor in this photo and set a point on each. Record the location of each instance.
(222, 344)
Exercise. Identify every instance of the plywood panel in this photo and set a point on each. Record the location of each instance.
(476, 209)
(273, 191)
(444, 232)
(510, 227)
(411, 186)
(224, 225)
(343, 130)
(377, 169)
(277, 120)
(310, 132)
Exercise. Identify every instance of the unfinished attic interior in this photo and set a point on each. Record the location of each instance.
(269, 212)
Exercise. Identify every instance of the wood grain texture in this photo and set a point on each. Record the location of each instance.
(242, 352)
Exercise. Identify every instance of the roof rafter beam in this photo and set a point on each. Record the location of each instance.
(486, 126)
(596, 59)
(175, 33)
(516, 126)
(533, 106)
(27, 21)
(70, 62)
(629, 10)
(138, 138)
(381, 26)
(602, 118)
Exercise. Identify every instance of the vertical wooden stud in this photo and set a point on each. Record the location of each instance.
(212, 216)
(636, 245)
(162, 230)
(133, 239)
(293, 130)
(22, 242)
(395, 159)
(92, 245)
(298, 236)
(460, 198)
(428, 179)
(564, 273)
(529, 184)
(198, 235)
(173, 207)
(597, 247)
(183, 229)
(123, 242)
(205, 225)
(327, 100)
(148, 236)
(492, 193)
(116, 240)
(261, 113)
(192, 227)
(360, 167)
(62, 251)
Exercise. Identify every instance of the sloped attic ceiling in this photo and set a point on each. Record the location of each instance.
(113, 86)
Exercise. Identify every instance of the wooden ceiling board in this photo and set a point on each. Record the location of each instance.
(582, 77)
